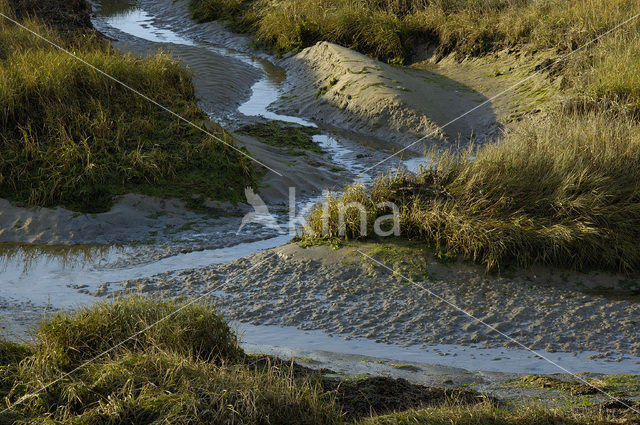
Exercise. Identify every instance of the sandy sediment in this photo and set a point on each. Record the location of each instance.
(339, 293)
(349, 90)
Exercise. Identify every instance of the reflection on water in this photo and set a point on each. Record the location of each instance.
(116, 7)
(140, 24)
(66, 277)
(29, 255)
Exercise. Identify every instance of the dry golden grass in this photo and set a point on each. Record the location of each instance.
(563, 190)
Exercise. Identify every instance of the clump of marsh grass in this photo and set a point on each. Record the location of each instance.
(187, 369)
(68, 339)
(558, 191)
(69, 136)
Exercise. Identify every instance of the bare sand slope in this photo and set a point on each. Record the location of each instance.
(309, 174)
(346, 89)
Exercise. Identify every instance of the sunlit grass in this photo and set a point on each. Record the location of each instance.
(188, 369)
(72, 137)
(560, 191)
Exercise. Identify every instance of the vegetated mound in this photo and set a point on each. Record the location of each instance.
(559, 191)
(71, 136)
(349, 90)
(144, 361)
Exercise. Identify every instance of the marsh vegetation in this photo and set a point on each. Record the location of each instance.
(557, 188)
(72, 137)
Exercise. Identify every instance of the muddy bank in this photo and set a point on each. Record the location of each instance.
(339, 293)
(132, 218)
(352, 91)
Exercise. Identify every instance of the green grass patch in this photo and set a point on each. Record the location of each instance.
(296, 139)
(407, 367)
(622, 385)
(548, 382)
(69, 136)
(488, 414)
(406, 259)
(390, 30)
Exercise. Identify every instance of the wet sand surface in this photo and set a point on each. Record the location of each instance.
(342, 293)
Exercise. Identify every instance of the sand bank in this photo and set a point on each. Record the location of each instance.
(337, 292)
(341, 87)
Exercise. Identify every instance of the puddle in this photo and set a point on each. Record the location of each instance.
(272, 339)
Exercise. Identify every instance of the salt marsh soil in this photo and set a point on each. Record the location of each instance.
(342, 292)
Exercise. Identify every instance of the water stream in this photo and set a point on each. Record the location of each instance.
(56, 281)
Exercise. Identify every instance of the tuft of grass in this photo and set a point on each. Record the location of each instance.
(561, 191)
(187, 369)
(68, 339)
(489, 414)
(295, 138)
(71, 137)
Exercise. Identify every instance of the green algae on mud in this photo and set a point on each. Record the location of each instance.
(570, 387)
(296, 139)
(72, 137)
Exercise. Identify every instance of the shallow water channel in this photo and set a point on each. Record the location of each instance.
(240, 84)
